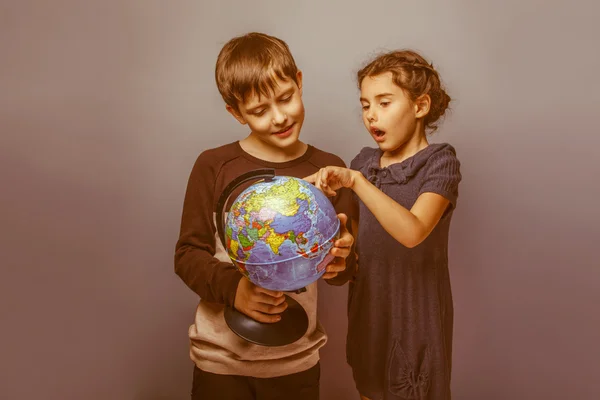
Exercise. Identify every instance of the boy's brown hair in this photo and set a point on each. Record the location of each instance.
(411, 72)
(249, 64)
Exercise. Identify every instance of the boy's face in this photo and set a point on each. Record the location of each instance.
(276, 119)
(388, 114)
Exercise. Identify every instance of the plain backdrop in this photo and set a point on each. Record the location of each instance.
(105, 105)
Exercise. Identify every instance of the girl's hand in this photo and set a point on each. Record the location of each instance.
(330, 179)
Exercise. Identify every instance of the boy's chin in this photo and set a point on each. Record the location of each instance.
(286, 143)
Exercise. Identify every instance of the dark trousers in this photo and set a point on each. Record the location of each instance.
(300, 386)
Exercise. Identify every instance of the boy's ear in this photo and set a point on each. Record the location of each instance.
(299, 80)
(236, 114)
(422, 105)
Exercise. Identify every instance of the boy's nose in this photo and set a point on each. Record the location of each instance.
(279, 117)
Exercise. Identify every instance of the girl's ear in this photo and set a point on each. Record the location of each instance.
(422, 105)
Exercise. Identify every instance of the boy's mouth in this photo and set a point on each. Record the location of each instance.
(285, 131)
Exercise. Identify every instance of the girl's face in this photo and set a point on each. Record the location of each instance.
(389, 115)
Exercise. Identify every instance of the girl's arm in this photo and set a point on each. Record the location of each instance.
(409, 227)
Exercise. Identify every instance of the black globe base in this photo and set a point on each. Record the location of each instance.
(292, 326)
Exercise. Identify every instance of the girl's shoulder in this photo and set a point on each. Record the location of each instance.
(365, 155)
(432, 154)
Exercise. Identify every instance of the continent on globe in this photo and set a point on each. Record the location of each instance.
(279, 233)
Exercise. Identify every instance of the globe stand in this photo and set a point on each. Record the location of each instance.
(294, 320)
(291, 327)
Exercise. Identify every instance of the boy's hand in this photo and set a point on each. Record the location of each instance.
(330, 179)
(341, 250)
(259, 304)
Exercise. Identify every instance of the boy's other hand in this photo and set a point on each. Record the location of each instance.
(341, 249)
(260, 304)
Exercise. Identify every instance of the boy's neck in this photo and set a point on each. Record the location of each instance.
(263, 151)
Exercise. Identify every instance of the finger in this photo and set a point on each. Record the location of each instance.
(346, 239)
(271, 293)
(324, 177)
(317, 178)
(320, 178)
(330, 275)
(266, 299)
(342, 252)
(311, 178)
(265, 318)
(336, 266)
(269, 308)
(343, 219)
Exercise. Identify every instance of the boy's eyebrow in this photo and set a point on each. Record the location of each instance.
(286, 92)
(255, 107)
(262, 104)
(378, 96)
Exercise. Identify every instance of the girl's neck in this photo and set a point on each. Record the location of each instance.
(408, 149)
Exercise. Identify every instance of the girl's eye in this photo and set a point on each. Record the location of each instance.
(384, 103)
(365, 108)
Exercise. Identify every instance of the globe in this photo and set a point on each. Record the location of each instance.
(279, 231)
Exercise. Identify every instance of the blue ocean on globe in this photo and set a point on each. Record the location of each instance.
(279, 233)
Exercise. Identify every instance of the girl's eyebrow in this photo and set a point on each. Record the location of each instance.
(378, 96)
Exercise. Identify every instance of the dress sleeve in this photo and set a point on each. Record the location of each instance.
(443, 176)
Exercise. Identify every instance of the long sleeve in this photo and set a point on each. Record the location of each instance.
(195, 262)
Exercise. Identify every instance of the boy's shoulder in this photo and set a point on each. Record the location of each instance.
(211, 162)
(220, 154)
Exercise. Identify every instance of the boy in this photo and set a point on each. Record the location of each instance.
(262, 88)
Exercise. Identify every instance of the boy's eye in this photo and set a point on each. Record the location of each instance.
(286, 99)
(258, 113)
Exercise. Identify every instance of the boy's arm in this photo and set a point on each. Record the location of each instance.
(213, 280)
(345, 202)
(351, 261)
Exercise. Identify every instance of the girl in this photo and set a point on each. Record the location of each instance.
(400, 318)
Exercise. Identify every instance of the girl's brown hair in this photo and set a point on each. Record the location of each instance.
(411, 72)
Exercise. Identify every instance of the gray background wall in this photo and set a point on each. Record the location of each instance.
(104, 106)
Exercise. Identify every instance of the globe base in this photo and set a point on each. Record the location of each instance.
(292, 326)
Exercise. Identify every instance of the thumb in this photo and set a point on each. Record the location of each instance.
(311, 178)
(343, 219)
